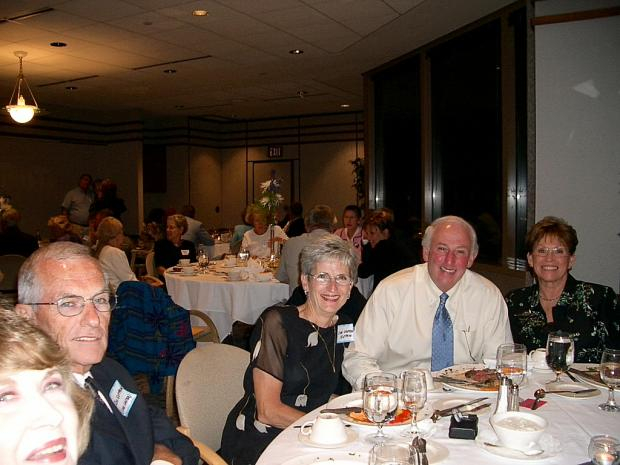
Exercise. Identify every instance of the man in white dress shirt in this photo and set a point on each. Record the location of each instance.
(432, 315)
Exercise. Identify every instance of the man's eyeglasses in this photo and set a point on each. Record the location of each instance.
(324, 279)
(557, 251)
(73, 305)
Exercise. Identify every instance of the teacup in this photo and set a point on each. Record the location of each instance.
(237, 275)
(184, 262)
(538, 359)
(188, 270)
(264, 276)
(230, 260)
(327, 429)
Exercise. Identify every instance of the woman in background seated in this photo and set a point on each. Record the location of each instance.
(352, 230)
(169, 251)
(61, 230)
(296, 353)
(258, 239)
(44, 415)
(557, 301)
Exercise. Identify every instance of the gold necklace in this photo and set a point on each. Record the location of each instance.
(331, 357)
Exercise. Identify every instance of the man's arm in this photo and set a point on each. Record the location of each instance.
(497, 326)
(164, 434)
(203, 236)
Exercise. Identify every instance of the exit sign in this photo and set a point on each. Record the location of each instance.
(274, 151)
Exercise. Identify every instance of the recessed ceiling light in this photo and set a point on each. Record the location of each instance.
(301, 93)
(344, 105)
(58, 44)
(179, 107)
(170, 71)
(148, 23)
(71, 88)
(296, 51)
(200, 12)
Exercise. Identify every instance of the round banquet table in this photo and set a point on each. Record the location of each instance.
(223, 300)
(571, 424)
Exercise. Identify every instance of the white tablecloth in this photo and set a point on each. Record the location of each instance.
(225, 301)
(571, 421)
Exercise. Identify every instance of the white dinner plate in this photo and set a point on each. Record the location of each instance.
(594, 369)
(550, 445)
(330, 458)
(570, 387)
(457, 371)
(452, 401)
(351, 437)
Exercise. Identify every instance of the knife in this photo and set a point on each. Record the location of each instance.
(343, 410)
(448, 411)
(575, 393)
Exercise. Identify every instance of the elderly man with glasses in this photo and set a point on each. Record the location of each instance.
(62, 289)
(432, 315)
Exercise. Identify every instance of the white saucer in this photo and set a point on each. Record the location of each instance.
(549, 444)
(351, 437)
(330, 458)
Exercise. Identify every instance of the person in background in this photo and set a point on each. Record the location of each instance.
(169, 251)
(383, 254)
(77, 203)
(109, 199)
(240, 230)
(62, 290)
(557, 301)
(258, 239)
(295, 226)
(44, 415)
(61, 230)
(12, 239)
(296, 354)
(432, 315)
(352, 230)
(94, 219)
(319, 223)
(196, 232)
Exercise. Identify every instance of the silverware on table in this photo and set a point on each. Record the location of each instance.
(570, 391)
(422, 449)
(437, 414)
(572, 378)
(343, 410)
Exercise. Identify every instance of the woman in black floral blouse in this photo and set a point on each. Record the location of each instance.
(557, 301)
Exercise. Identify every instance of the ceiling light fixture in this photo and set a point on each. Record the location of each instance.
(296, 51)
(17, 107)
(170, 71)
(344, 105)
(58, 44)
(200, 12)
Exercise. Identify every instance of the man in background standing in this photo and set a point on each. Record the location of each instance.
(77, 202)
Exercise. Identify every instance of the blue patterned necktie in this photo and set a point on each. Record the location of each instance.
(443, 338)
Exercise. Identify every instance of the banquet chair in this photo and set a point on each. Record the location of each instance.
(207, 455)
(10, 265)
(149, 262)
(209, 383)
(206, 333)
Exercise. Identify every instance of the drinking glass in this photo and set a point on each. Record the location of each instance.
(560, 353)
(391, 453)
(380, 396)
(604, 450)
(203, 260)
(512, 362)
(610, 375)
(243, 256)
(413, 395)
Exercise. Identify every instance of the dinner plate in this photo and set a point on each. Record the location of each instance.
(589, 375)
(354, 399)
(453, 401)
(330, 458)
(457, 372)
(351, 437)
(571, 387)
(550, 445)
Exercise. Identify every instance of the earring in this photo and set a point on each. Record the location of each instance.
(306, 291)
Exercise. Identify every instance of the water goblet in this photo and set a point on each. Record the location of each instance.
(610, 375)
(604, 450)
(560, 353)
(391, 453)
(413, 395)
(511, 362)
(380, 397)
(203, 260)
(243, 256)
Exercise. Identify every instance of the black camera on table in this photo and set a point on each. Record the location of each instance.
(463, 426)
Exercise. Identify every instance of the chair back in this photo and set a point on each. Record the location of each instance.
(206, 333)
(149, 262)
(10, 265)
(208, 385)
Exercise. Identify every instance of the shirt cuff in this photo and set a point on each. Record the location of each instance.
(160, 462)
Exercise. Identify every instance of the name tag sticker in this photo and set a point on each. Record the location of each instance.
(122, 398)
(346, 333)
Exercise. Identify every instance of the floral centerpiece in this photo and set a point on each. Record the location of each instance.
(271, 198)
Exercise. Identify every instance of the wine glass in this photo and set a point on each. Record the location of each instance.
(604, 450)
(391, 453)
(413, 395)
(203, 260)
(243, 256)
(512, 362)
(380, 396)
(560, 353)
(610, 375)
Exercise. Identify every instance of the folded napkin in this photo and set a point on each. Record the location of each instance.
(527, 403)
(254, 265)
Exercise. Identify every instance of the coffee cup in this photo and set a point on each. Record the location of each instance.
(237, 275)
(428, 378)
(538, 359)
(326, 429)
(264, 276)
(184, 262)
(187, 270)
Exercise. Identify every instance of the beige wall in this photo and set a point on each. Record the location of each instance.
(37, 174)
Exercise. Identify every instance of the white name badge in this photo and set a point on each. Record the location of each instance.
(122, 398)
(346, 333)
(184, 251)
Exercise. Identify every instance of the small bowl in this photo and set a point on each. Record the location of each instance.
(518, 430)
(264, 276)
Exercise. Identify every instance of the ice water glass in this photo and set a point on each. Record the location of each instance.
(391, 453)
(413, 396)
(380, 397)
(560, 353)
(604, 450)
(610, 375)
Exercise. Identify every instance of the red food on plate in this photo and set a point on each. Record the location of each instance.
(402, 417)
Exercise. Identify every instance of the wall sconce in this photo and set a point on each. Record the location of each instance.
(17, 107)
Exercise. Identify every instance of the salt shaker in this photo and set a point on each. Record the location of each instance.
(513, 405)
(503, 395)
